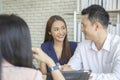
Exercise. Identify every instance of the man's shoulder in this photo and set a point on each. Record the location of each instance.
(85, 43)
(115, 39)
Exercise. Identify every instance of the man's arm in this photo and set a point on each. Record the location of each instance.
(66, 67)
(75, 61)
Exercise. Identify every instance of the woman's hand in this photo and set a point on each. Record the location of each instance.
(42, 56)
(39, 54)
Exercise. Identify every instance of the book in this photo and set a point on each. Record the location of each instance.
(114, 6)
(84, 4)
(79, 32)
(118, 4)
(118, 29)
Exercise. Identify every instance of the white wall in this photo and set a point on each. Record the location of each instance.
(37, 12)
(0, 6)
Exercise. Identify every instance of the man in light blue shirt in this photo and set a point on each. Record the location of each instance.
(100, 52)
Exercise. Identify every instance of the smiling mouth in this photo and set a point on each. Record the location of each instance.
(61, 36)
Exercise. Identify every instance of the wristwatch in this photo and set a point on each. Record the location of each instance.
(54, 68)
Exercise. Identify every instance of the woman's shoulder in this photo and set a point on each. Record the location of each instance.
(73, 46)
(45, 44)
(36, 74)
(73, 43)
(23, 73)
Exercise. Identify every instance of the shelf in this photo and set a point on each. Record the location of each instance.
(72, 13)
(69, 13)
(114, 11)
(109, 11)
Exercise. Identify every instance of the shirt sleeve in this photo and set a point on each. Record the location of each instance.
(75, 60)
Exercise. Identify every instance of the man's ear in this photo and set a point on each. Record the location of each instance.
(97, 26)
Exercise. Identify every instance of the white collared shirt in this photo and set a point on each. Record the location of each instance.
(104, 63)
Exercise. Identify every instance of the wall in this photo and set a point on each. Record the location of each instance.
(37, 12)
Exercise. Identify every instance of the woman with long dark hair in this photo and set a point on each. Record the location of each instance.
(16, 51)
(56, 44)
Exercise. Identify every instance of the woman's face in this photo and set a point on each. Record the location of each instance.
(58, 31)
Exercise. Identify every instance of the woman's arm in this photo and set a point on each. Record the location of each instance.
(40, 55)
(43, 68)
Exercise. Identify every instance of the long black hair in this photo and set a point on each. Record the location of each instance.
(15, 42)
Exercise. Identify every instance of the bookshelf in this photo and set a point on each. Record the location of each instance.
(0, 6)
(114, 28)
(114, 11)
(111, 6)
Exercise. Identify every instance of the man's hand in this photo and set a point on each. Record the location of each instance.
(90, 78)
(66, 67)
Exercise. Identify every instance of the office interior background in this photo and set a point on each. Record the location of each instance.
(37, 12)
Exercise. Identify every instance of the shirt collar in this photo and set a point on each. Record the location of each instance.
(93, 46)
(106, 45)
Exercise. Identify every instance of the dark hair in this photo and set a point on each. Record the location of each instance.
(66, 46)
(15, 43)
(97, 13)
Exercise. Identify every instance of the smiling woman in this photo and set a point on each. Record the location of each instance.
(56, 44)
